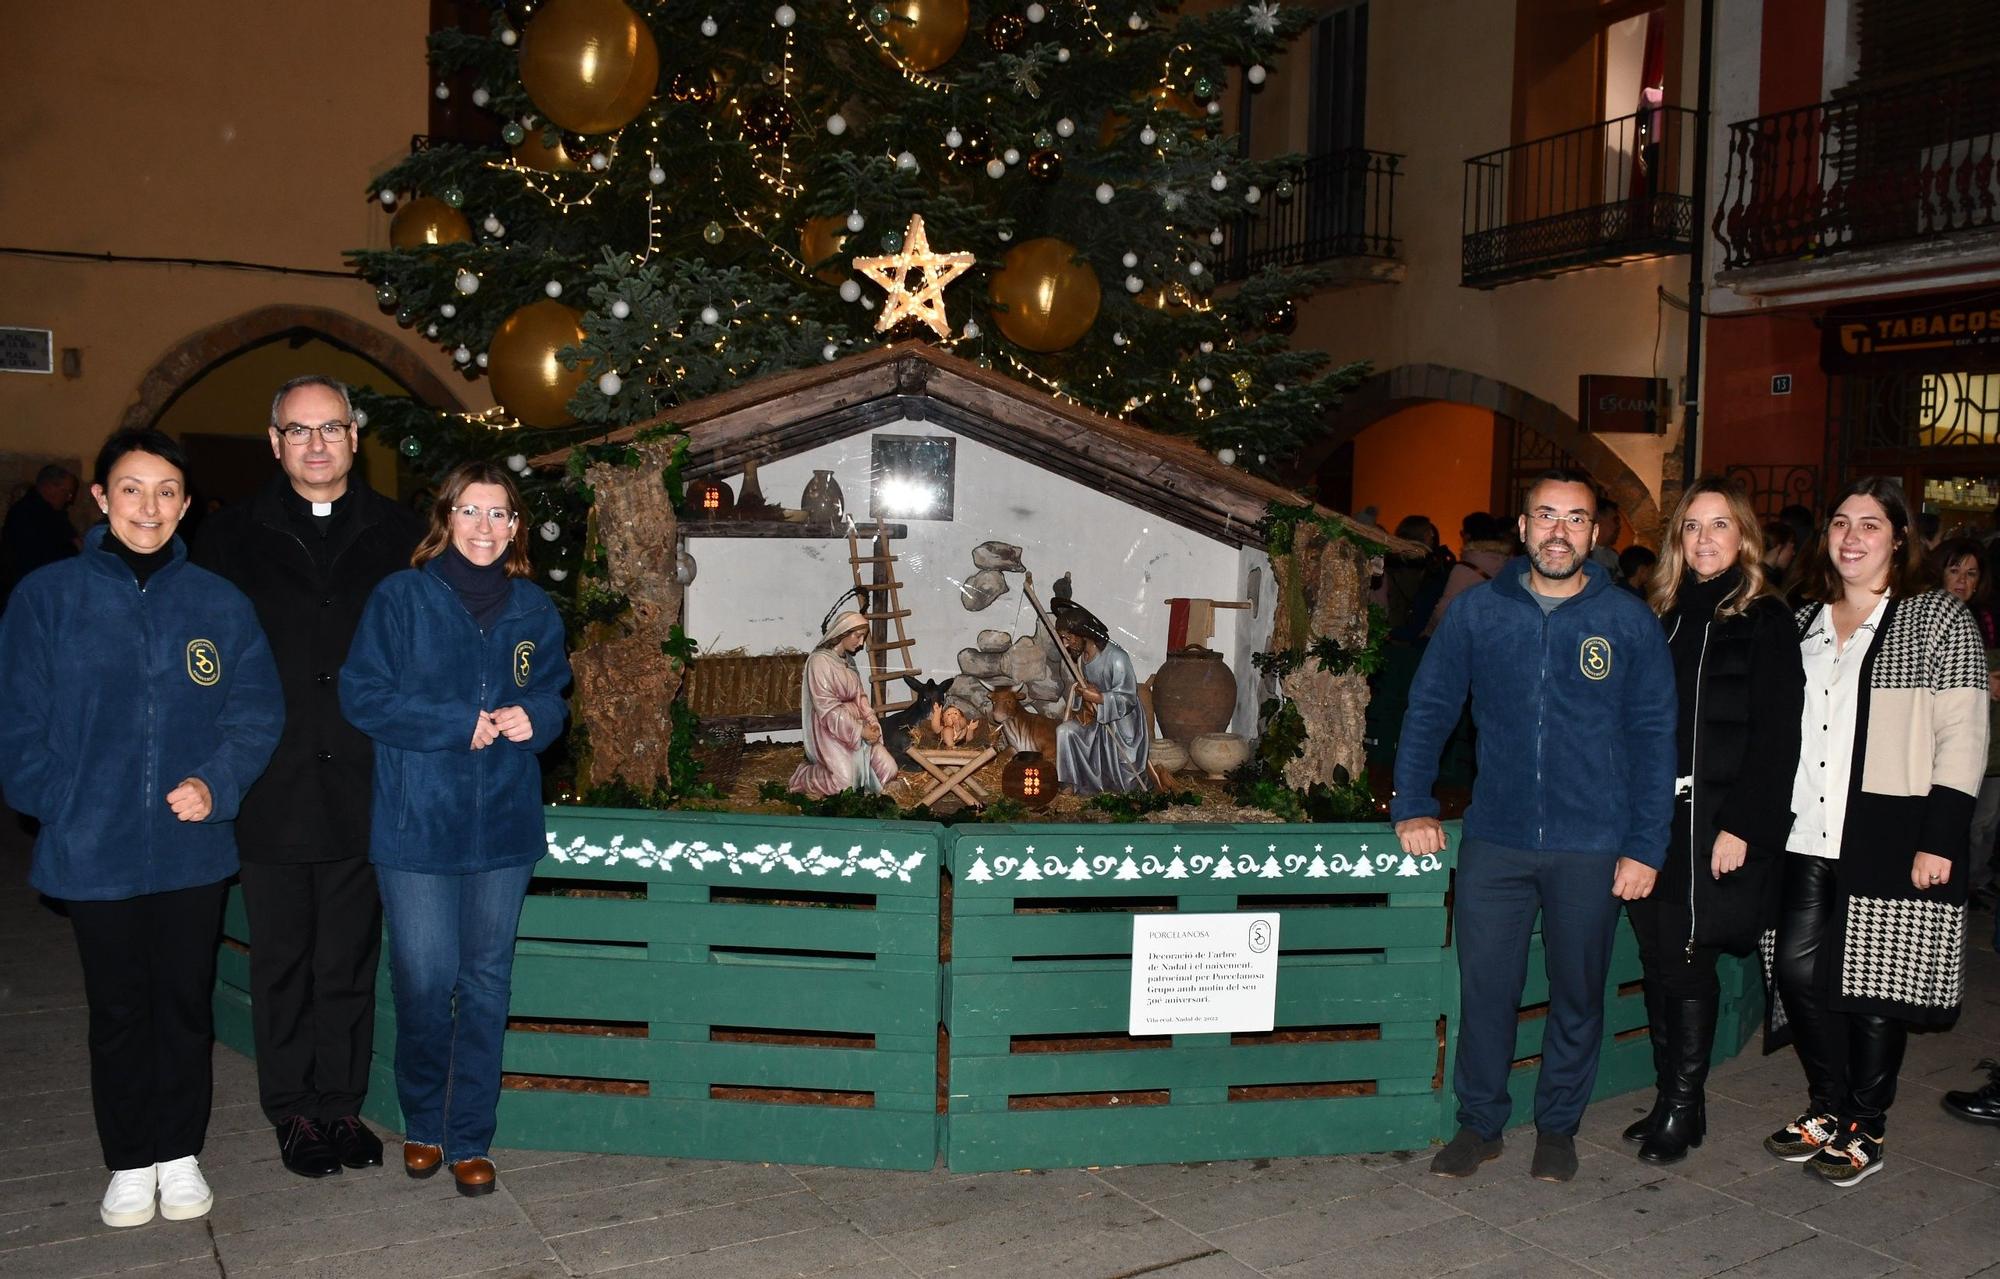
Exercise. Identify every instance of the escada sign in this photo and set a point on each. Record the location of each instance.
(1626, 405)
(1951, 331)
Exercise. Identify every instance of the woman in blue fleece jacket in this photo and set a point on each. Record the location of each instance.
(138, 701)
(457, 672)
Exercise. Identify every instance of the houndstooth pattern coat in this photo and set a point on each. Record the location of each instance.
(1919, 753)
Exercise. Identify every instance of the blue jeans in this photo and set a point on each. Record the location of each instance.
(1499, 891)
(451, 963)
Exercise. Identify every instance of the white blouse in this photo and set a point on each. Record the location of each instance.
(1826, 747)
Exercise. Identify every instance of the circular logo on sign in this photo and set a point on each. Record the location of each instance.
(203, 662)
(1595, 657)
(522, 652)
(1260, 935)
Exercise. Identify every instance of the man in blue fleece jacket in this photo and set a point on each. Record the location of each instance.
(1573, 697)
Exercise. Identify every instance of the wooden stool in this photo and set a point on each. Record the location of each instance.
(963, 764)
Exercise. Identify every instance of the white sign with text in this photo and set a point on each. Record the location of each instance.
(1197, 974)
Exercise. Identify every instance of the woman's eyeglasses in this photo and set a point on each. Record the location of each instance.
(471, 514)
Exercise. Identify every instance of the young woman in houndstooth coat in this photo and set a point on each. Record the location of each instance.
(1894, 743)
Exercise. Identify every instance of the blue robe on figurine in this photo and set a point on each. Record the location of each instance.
(1109, 755)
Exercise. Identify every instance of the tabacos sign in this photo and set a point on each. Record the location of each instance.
(1926, 333)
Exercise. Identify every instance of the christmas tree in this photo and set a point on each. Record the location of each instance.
(681, 192)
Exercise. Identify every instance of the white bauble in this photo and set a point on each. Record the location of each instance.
(610, 383)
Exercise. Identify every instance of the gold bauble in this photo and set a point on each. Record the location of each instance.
(527, 378)
(531, 154)
(427, 221)
(925, 33)
(1050, 296)
(1175, 298)
(820, 239)
(589, 65)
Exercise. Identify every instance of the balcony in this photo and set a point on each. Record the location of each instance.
(1604, 194)
(1342, 211)
(1890, 178)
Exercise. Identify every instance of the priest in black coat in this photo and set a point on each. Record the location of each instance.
(308, 550)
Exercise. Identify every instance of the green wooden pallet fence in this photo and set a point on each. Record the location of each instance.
(759, 988)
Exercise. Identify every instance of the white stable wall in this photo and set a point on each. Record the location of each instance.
(762, 595)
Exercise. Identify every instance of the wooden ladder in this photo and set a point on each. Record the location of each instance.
(888, 659)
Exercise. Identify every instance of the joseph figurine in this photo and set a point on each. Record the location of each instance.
(1109, 753)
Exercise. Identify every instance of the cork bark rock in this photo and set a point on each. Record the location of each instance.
(625, 683)
(1323, 590)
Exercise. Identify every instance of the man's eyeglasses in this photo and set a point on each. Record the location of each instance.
(1546, 518)
(471, 514)
(331, 432)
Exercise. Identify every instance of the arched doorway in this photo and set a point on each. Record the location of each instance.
(1447, 436)
(213, 390)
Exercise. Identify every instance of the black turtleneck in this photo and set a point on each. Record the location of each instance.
(142, 563)
(483, 591)
(1694, 608)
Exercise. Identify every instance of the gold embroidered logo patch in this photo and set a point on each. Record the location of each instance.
(1594, 658)
(522, 652)
(203, 662)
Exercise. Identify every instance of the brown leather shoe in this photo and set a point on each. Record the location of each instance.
(474, 1176)
(420, 1160)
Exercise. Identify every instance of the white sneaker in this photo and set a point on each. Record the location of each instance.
(128, 1200)
(184, 1194)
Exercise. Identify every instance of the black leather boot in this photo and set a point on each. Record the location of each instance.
(1684, 1120)
(1656, 1030)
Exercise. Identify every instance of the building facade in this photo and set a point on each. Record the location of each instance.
(1856, 293)
(1516, 184)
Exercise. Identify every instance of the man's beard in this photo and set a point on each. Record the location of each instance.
(1563, 574)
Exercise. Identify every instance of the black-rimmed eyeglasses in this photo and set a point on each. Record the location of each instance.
(331, 432)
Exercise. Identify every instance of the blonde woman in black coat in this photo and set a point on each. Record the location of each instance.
(1741, 687)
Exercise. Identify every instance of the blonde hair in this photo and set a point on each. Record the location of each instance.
(1663, 593)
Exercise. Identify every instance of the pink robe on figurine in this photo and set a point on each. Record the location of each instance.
(832, 709)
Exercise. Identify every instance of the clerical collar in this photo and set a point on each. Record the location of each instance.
(298, 502)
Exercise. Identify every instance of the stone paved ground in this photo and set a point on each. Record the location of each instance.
(1730, 1209)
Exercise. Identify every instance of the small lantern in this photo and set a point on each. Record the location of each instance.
(1030, 778)
(709, 499)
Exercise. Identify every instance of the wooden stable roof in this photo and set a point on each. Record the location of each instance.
(785, 413)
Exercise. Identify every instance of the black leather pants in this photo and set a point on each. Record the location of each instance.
(1850, 1059)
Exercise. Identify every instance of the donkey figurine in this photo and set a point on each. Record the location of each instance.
(899, 727)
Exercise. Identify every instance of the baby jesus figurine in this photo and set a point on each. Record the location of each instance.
(952, 729)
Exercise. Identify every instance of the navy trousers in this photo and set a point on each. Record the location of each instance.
(1499, 892)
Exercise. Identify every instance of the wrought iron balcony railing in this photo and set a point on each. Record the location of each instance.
(1882, 167)
(1342, 205)
(1606, 193)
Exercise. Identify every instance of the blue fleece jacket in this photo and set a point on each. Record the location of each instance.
(417, 675)
(1575, 713)
(110, 697)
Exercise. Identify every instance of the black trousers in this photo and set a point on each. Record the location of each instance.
(1672, 970)
(315, 935)
(149, 977)
(1850, 1059)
